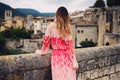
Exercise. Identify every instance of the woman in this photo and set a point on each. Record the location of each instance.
(58, 34)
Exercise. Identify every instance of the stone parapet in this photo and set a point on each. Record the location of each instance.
(96, 63)
(99, 63)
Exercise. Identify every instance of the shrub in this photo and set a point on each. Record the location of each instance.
(10, 52)
(2, 42)
(16, 34)
(87, 43)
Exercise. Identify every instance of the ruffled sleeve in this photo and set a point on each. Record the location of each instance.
(72, 53)
(46, 40)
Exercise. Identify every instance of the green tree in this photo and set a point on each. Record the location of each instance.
(99, 4)
(0, 27)
(7, 33)
(2, 42)
(16, 34)
(111, 3)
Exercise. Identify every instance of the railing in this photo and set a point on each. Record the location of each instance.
(97, 63)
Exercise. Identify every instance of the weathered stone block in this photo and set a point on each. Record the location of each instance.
(118, 58)
(94, 73)
(87, 75)
(109, 70)
(112, 59)
(103, 61)
(106, 78)
(82, 66)
(28, 75)
(81, 76)
(91, 64)
(98, 79)
(117, 67)
(115, 76)
(100, 72)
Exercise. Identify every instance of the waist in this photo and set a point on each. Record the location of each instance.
(61, 49)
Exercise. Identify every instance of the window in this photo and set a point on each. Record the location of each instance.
(97, 16)
(38, 31)
(43, 21)
(119, 22)
(78, 31)
(82, 31)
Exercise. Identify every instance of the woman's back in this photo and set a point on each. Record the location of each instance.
(57, 41)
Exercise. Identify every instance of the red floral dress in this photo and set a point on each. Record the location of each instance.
(62, 54)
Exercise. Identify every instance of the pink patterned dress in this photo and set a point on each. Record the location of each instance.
(62, 54)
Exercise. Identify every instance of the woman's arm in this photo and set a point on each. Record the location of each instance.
(72, 55)
(46, 41)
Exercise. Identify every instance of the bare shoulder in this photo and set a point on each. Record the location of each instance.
(70, 36)
(52, 24)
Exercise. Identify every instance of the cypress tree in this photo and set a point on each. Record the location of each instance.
(99, 4)
(111, 3)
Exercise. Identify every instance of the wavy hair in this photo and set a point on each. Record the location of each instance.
(62, 22)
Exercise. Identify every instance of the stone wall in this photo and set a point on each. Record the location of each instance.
(100, 63)
(111, 38)
(97, 63)
(27, 45)
(25, 67)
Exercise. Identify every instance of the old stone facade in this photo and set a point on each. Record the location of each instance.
(26, 45)
(8, 14)
(83, 30)
(108, 20)
(15, 22)
(86, 32)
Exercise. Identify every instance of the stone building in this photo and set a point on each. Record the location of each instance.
(85, 32)
(18, 22)
(88, 15)
(45, 23)
(82, 30)
(8, 23)
(38, 24)
(108, 20)
(29, 22)
(8, 14)
(2, 22)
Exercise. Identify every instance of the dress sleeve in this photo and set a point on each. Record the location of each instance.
(46, 40)
(72, 52)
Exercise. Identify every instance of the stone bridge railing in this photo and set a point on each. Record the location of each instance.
(97, 63)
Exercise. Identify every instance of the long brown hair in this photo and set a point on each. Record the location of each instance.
(62, 22)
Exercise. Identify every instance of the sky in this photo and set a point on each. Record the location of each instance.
(50, 5)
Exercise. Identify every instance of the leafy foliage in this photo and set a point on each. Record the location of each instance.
(16, 33)
(87, 43)
(111, 3)
(99, 4)
(10, 52)
(2, 42)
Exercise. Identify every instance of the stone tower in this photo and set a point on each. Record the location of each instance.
(102, 28)
(8, 14)
(116, 24)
